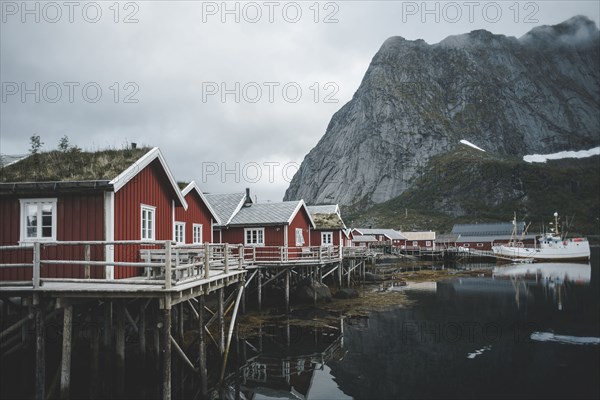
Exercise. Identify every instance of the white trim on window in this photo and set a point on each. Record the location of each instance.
(326, 238)
(147, 222)
(34, 224)
(179, 232)
(197, 233)
(428, 243)
(254, 236)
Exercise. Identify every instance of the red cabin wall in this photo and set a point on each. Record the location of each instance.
(197, 213)
(315, 236)
(78, 217)
(150, 187)
(302, 221)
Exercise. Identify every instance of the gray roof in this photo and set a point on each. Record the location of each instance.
(390, 233)
(324, 209)
(225, 205)
(447, 238)
(7, 159)
(267, 213)
(364, 238)
(489, 238)
(501, 228)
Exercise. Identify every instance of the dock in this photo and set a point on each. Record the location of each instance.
(173, 282)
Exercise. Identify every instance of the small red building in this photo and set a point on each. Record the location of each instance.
(226, 206)
(419, 240)
(109, 195)
(329, 226)
(391, 236)
(194, 225)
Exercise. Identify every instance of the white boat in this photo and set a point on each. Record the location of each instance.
(549, 247)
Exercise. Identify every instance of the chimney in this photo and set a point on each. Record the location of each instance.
(133, 145)
(248, 198)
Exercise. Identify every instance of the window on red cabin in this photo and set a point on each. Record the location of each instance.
(326, 238)
(415, 243)
(197, 233)
(148, 222)
(254, 236)
(38, 219)
(299, 237)
(179, 232)
(428, 243)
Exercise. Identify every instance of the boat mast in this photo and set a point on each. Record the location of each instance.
(556, 224)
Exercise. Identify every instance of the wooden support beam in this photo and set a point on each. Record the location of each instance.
(259, 279)
(287, 291)
(202, 351)
(231, 326)
(221, 322)
(166, 349)
(94, 356)
(40, 350)
(65, 369)
(142, 332)
(120, 348)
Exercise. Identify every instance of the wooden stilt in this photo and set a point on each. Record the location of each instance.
(120, 348)
(314, 282)
(259, 280)
(94, 356)
(180, 322)
(166, 349)
(287, 291)
(65, 371)
(40, 351)
(202, 349)
(221, 322)
(142, 332)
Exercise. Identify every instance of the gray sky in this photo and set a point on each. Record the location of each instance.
(235, 94)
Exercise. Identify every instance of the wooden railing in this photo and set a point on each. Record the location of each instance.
(293, 255)
(158, 262)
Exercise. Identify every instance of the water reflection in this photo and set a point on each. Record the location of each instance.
(526, 331)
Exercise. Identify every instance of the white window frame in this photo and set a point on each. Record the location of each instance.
(180, 225)
(428, 243)
(324, 241)
(197, 233)
(152, 210)
(23, 220)
(257, 243)
(479, 244)
(299, 235)
(415, 243)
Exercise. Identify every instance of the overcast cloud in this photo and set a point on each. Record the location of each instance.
(287, 66)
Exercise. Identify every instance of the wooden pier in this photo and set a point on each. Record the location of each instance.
(173, 281)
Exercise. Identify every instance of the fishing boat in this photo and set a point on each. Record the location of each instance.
(550, 246)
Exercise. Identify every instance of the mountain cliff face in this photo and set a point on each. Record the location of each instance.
(536, 94)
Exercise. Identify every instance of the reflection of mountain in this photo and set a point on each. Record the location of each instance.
(469, 340)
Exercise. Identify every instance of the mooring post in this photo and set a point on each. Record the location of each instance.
(40, 351)
(221, 321)
(65, 369)
(287, 291)
(166, 348)
(120, 348)
(202, 349)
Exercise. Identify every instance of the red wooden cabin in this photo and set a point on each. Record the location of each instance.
(103, 196)
(271, 225)
(194, 225)
(329, 226)
(419, 240)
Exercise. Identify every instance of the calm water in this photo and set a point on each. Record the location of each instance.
(519, 334)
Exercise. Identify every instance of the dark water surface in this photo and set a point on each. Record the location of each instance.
(518, 334)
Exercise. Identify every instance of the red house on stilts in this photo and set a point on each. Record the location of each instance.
(111, 195)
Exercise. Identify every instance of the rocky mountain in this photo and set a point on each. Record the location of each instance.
(536, 94)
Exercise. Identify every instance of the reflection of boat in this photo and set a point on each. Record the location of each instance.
(550, 247)
(578, 273)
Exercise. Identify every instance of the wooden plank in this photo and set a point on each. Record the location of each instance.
(65, 369)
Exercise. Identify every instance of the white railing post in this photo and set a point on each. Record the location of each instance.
(226, 257)
(241, 253)
(88, 257)
(281, 254)
(320, 253)
(36, 265)
(206, 260)
(254, 254)
(168, 264)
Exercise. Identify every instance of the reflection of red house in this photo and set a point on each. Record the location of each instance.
(194, 225)
(329, 226)
(108, 195)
